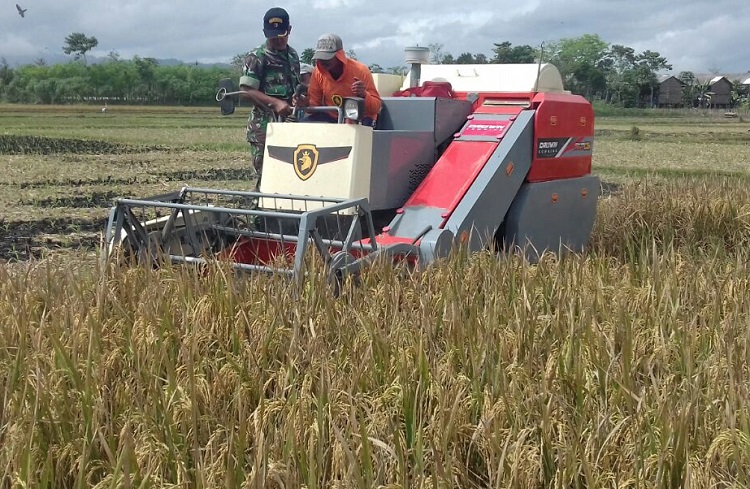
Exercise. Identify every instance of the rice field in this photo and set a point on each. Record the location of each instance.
(623, 367)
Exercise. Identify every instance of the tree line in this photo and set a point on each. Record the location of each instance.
(614, 74)
(136, 81)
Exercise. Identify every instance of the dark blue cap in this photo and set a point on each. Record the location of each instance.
(276, 23)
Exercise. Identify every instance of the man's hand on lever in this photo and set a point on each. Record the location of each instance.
(299, 99)
(282, 108)
(358, 88)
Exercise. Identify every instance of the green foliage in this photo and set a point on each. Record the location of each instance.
(238, 61)
(631, 77)
(582, 64)
(739, 94)
(6, 74)
(702, 94)
(79, 44)
(505, 52)
(589, 66)
(687, 77)
(307, 56)
(688, 87)
(140, 81)
(468, 58)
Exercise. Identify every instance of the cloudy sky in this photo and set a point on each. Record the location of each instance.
(693, 35)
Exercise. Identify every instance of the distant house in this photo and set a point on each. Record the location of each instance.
(720, 89)
(670, 91)
(716, 90)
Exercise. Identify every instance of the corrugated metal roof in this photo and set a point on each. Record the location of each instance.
(711, 78)
(662, 78)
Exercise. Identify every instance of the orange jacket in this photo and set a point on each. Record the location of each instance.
(325, 91)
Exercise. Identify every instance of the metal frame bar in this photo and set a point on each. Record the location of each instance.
(125, 226)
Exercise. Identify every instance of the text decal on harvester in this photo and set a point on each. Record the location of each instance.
(493, 129)
(564, 147)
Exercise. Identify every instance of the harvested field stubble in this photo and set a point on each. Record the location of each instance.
(63, 167)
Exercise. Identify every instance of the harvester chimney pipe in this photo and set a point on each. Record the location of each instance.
(415, 75)
(416, 56)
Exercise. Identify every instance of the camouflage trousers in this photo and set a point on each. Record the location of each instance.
(256, 157)
(256, 137)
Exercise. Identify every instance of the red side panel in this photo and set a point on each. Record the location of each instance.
(563, 137)
(452, 175)
(260, 251)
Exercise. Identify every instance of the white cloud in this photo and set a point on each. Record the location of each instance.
(332, 4)
(689, 33)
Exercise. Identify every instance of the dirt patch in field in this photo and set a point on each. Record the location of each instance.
(25, 237)
(82, 201)
(610, 189)
(213, 174)
(16, 145)
(23, 240)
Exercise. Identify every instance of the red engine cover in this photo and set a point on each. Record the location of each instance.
(563, 137)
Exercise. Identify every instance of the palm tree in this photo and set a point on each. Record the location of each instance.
(703, 94)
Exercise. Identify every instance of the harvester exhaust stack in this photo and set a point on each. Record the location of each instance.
(416, 56)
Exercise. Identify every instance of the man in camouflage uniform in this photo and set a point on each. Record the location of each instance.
(269, 78)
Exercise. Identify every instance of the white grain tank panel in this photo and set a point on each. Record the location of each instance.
(305, 159)
(386, 84)
(495, 77)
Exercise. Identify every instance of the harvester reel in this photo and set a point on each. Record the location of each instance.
(151, 253)
(337, 270)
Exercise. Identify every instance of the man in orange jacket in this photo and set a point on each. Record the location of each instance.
(336, 76)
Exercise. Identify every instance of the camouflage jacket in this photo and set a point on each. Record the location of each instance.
(273, 73)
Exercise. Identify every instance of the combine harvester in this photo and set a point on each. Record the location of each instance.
(503, 159)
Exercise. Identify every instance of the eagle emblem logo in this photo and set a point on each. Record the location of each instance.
(306, 158)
